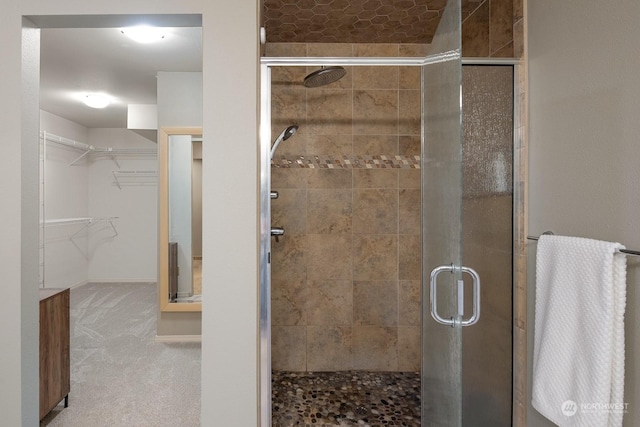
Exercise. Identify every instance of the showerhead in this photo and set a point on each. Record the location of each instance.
(324, 76)
(286, 134)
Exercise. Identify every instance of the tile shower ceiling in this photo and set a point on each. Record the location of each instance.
(355, 21)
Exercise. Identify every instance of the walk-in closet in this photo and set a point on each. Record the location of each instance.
(98, 205)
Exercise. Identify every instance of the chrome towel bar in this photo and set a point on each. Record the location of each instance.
(623, 251)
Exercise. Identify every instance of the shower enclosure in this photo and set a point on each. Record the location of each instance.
(401, 184)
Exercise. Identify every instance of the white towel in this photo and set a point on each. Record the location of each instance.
(578, 356)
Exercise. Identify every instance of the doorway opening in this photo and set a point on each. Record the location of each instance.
(93, 168)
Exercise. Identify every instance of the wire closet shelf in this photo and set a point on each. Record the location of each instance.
(92, 150)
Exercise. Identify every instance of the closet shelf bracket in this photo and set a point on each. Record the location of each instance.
(134, 177)
(82, 156)
(85, 222)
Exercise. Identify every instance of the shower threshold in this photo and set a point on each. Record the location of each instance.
(345, 398)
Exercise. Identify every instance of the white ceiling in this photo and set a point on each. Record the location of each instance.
(79, 60)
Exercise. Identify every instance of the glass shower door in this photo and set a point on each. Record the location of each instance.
(442, 226)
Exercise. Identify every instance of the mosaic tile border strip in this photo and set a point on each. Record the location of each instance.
(348, 162)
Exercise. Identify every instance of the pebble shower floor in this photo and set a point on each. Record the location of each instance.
(349, 398)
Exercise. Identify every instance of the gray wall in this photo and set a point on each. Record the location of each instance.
(179, 99)
(584, 164)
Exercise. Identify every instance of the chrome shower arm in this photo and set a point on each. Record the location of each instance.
(277, 142)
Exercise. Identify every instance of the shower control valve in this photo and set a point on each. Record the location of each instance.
(277, 232)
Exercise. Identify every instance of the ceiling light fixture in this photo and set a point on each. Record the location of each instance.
(144, 33)
(96, 100)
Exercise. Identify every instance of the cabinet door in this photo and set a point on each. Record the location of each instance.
(54, 351)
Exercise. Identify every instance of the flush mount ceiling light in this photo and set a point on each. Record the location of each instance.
(96, 100)
(144, 33)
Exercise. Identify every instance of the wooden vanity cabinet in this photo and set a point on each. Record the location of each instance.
(54, 349)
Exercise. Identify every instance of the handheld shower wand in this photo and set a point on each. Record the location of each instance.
(286, 134)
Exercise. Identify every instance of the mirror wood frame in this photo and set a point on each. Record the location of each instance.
(163, 218)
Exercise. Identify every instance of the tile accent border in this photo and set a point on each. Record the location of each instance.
(348, 162)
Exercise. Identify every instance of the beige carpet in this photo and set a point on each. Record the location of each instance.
(119, 375)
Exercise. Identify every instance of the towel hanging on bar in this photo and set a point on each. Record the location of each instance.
(578, 350)
(622, 251)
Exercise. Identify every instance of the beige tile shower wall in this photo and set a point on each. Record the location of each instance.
(346, 274)
(492, 28)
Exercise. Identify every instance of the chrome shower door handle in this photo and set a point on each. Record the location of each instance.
(476, 297)
(433, 297)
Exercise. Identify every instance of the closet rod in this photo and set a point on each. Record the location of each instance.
(65, 141)
(67, 221)
(124, 150)
(624, 251)
(72, 221)
(92, 148)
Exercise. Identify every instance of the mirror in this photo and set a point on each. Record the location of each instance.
(180, 218)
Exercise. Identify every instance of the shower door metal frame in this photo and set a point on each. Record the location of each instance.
(265, 188)
(265, 182)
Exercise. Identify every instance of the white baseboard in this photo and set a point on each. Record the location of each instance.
(64, 286)
(143, 280)
(85, 282)
(77, 285)
(178, 338)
